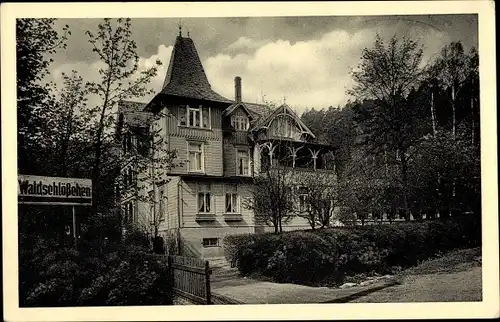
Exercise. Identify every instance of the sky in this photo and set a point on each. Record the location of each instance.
(303, 60)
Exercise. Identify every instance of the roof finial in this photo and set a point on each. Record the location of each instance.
(284, 99)
(180, 28)
(188, 33)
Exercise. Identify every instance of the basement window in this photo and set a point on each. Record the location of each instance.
(210, 242)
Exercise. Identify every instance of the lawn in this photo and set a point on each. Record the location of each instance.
(456, 276)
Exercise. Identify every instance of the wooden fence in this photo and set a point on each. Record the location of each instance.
(191, 277)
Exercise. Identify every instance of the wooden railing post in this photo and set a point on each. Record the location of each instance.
(207, 282)
(171, 270)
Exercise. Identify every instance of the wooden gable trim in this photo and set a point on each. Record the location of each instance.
(286, 111)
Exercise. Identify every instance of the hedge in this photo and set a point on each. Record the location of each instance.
(125, 276)
(328, 255)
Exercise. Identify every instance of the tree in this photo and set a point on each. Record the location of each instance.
(317, 197)
(120, 79)
(273, 201)
(362, 188)
(452, 69)
(68, 124)
(384, 84)
(457, 76)
(153, 162)
(36, 41)
(336, 127)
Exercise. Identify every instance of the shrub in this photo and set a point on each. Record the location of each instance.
(232, 244)
(310, 257)
(138, 278)
(127, 276)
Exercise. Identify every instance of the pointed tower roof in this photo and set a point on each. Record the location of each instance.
(186, 76)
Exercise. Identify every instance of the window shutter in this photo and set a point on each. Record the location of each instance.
(203, 157)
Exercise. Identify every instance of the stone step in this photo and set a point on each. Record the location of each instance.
(225, 272)
(218, 262)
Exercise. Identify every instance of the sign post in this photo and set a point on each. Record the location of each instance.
(74, 228)
(40, 190)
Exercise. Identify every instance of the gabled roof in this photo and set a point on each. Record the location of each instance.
(134, 114)
(233, 107)
(283, 109)
(259, 110)
(186, 76)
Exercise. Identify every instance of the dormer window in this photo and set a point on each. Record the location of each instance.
(127, 143)
(240, 123)
(198, 117)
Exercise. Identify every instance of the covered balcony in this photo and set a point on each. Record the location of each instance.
(305, 156)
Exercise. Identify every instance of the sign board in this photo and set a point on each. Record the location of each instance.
(38, 190)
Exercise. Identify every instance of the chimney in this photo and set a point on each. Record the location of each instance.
(237, 89)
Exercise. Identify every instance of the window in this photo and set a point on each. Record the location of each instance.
(194, 116)
(151, 197)
(127, 178)
(131, 177)
(240, 123)
(205, 117)
(131, 212)
(231, 198)
(127, 142)
(128, 217)
(204, 198)
(161, 213)
(125, 213)
(243, 162)
(182, 115)
(195, 156)
(210, 242)
(303, 205)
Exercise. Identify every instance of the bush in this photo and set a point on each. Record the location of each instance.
(137, 278)
(311, 257)
(127, 276)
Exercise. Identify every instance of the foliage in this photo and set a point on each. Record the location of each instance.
(406, 145)
(120, 79)
(312, 257)
(320, 195)
(453, 69)
(336, 127)
(273, 201)
(153, 160)
(36, 42)
(122, 276)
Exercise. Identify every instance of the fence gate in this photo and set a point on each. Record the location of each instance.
(191, 278)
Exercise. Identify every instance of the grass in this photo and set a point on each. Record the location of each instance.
(454, 276)
(451, 262)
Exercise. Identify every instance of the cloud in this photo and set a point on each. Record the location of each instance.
(312, 73)
(90, 72)
(244, 43)
(309, 73)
